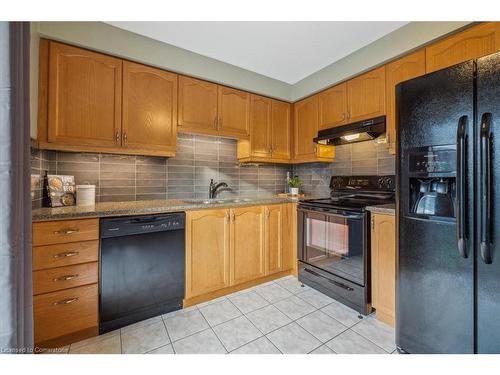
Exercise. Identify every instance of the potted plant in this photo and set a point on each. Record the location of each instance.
(294, 184)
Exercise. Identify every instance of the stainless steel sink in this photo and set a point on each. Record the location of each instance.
(216, 201)
(204, 201)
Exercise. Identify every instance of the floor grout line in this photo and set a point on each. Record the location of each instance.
(293, 293)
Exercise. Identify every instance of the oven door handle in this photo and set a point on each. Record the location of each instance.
(330, 213)
(336, 283)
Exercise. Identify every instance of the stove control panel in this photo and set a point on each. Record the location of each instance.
(362, 183)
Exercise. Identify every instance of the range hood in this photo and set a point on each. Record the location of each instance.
(351, 133)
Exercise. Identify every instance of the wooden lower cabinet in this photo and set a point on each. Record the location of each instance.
(274, 238)
(207, 251)
(231, 249)
(383, 266)
(65, 281)
(247, 244)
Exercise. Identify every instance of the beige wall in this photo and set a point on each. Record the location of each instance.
(106, 38)
(397, 43)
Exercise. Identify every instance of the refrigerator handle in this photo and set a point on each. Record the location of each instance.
(461, 186)
(485, 178)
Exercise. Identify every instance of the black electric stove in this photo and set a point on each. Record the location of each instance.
(334, 238)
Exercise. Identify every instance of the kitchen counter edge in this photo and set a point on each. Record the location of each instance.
(113, 209)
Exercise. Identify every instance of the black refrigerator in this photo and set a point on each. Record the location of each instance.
(448, 196)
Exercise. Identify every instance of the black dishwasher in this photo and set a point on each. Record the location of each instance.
(141, 268)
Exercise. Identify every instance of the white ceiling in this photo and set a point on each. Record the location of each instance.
(286, 51)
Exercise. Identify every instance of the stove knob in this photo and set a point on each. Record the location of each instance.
(380, 183)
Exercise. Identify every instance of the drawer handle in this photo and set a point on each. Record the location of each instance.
(67, 231)
(66, 254)
(66, 277)
(66, 301)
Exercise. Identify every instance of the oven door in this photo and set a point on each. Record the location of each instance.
(334, 241)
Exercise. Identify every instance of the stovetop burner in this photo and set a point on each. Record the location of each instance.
(356, 192)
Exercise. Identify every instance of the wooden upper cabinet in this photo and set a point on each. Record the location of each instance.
(383, 266)
(149, 108)
(260, 126)
(274, 238)
(247, 244)
(366, 95)
(84, 103)
(305, 127)
(234, 112)
(471, 43)
(280, 133)
(333, 107)
(197, 106)
(207, 251)
(400, 70)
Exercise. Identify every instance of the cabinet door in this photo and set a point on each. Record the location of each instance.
(207, 251)
(260, 126)
(403, 69)
(247, 244)
(149, 108)
(84, 97)
(333, 107)
(197, 106)
(234, 113)
(274, 239)
(280, 133)
(305, 127)
(383, 258)
(366, 95)
(472, 43)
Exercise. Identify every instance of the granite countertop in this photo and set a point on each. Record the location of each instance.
(383, 209)
(147, 207)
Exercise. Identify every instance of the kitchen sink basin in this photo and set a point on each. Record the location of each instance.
(217, 201)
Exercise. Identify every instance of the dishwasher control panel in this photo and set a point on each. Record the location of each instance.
(123, 226)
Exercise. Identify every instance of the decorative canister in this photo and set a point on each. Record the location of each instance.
(85, 195)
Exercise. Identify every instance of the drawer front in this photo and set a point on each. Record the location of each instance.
(54, 232)
(50, 256)
(61, 313)
(53, 279)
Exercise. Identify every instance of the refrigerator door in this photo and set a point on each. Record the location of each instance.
(488, 206)
(435, 295)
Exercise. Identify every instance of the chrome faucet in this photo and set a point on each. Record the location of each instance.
(214, 187)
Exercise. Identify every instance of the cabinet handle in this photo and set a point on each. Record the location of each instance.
(125, 138)
(233, 217)
(373, 224)
(315, 149)
(227, 217)
(67, 231)
(348, 114)
(65, 278)
(117, 137)
(66, 254)
(268, 213)
(66, 301)
(343, 116)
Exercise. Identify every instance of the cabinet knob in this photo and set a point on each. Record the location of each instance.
(125, 138)
(117, 137)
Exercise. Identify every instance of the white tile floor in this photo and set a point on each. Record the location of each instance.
(280, 316)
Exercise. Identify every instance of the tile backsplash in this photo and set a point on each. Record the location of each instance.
(198, 159)
(186, 176)
(362, 158)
